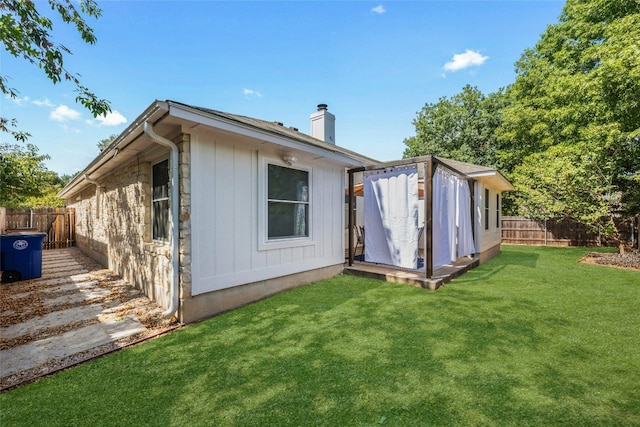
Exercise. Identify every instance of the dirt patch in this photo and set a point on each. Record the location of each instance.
(630, 260)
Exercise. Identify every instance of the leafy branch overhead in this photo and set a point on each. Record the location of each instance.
(26, 34)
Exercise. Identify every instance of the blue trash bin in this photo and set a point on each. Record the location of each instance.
(21, 255)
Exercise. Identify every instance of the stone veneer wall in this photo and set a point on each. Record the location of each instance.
(184, 145)
(118, 232)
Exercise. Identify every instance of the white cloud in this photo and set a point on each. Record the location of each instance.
(62, 113)
(17, 100)
(460, 61)
(379, 9)
(43, 103)
(113, 118)
(251, 92)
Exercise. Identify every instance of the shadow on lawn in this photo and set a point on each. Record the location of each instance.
(346, 351)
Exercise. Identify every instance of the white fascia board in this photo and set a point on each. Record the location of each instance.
(493, 177)
(203, 118)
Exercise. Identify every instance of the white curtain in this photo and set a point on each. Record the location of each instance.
(391, 216)
(463, 220)
(444, 218)
(452, 228)
(300, 211)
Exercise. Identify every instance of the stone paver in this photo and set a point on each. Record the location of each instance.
(83, 295)
(53, 319)
(102, 314)
(35, 353)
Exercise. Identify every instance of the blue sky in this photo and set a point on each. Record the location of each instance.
(376, 64)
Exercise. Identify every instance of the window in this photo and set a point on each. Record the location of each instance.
(287, 203)
(160, 201)
(497, 211)
(486, 208)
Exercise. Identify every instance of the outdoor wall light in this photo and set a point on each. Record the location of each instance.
(289, 159)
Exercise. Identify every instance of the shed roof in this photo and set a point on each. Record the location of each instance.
(489, 175)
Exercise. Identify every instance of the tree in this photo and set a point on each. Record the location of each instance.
(569, 180)
(461, 128)
(25, 33)
(571, 127)
(51, 186)
(23, 173)
(26, 182)
(104, 143)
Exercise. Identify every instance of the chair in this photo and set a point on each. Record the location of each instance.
(359, 238)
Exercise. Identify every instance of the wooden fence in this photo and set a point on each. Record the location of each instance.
(525, 231)
(58, 223)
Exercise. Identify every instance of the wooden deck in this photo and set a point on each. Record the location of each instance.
(413, 277)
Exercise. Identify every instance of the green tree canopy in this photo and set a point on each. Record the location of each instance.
(26, 34)
(23, 174)
(571, 128)
(25, 182)
(104, 143)
(461, 128)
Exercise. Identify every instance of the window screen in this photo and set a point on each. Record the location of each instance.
(288, 203)
(160, 201)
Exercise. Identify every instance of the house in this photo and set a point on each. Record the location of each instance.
(207, 211)
(259, 206)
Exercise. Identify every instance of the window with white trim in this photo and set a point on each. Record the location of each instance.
(287, 203)
(497, 210)
(486, 208)
(160, 201)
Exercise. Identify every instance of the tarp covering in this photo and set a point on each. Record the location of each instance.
(391, 216)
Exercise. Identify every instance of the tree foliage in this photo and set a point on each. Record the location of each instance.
(104, 143)
(571, 128)
(26, 34)
(26, 182)
(461, 128)
(23, 174)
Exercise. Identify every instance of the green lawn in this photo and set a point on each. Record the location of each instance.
(530, 338)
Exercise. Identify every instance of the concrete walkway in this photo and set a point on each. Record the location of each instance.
(75, 311)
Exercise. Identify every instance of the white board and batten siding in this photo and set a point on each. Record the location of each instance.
(491, 237)
(228, 216)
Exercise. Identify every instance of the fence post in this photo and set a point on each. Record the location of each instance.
(3, 220)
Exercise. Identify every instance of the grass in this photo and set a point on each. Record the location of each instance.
(529, 338)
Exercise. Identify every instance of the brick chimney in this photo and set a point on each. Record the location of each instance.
(323, 125)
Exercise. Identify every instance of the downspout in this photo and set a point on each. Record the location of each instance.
(91, 181)
(175, 222)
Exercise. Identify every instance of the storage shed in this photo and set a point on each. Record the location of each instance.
(424, 213)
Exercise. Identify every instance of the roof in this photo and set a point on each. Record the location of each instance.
(489, 175)
(170, 114)
(465, 168)
(483, 173)
(278, 129)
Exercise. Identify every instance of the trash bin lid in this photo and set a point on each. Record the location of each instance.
(24, 233)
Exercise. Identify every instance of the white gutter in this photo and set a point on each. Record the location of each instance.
(91, 181)
(175, 222)
(153, 113)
